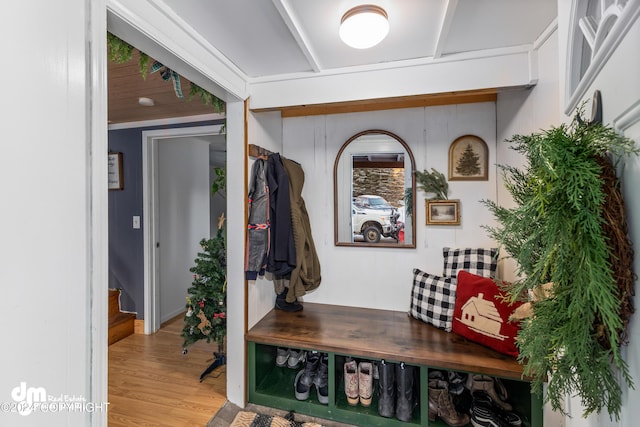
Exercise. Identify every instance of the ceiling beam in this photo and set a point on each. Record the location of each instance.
(445, 26)
(414, 101)
(295, 27)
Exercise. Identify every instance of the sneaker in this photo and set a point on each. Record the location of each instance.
(487, 413)
(296, 357)
(282, 355)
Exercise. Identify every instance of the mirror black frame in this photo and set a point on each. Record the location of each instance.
(406, 245)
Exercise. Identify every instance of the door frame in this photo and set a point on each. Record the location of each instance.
(150, 222)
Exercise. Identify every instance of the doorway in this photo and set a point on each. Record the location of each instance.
(179, 210)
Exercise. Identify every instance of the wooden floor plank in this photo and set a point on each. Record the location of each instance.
(151, 383)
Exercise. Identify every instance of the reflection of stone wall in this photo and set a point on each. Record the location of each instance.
(384, 182)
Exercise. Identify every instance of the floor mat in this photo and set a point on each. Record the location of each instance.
(253, 419)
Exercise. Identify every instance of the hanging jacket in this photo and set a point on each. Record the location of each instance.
(281, 259)
(258, 229)
(306, 275)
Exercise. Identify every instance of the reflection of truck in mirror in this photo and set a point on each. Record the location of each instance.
(373, 217)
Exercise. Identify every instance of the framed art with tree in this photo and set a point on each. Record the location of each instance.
(468, 159)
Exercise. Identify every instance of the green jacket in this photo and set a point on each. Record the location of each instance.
(306, 275)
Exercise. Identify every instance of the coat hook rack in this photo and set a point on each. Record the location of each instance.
(258, 152)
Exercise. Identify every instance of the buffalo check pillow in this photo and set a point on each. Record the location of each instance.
(479, 261)
(433, 299)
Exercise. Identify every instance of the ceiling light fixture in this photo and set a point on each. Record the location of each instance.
(364, 26)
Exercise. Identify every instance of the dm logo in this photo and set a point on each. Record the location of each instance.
(27, 397)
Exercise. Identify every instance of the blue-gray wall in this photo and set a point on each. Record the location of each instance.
(126, 250)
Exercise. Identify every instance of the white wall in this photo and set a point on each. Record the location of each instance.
(265, 130)
(47, 224)
(382, 277)
(542, 107)
(620, 87)
(184, 215)
(525, 113)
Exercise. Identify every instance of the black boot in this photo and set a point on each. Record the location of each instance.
(306, 376)
(406, 400)
(386, 389)
(282, 304)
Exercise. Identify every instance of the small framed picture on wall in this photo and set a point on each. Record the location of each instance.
(443, 212)
(115, 173)
(468, 159)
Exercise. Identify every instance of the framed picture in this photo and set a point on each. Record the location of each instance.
(116, 176)
(468, 159)
(443, 212)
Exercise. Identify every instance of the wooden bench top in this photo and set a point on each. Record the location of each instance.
(379, 334)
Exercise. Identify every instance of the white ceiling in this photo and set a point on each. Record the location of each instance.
(279, 39)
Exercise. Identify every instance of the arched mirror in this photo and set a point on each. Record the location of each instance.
(374, 189)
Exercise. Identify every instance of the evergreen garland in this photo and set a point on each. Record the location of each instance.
(120, 52)
(206, 305)
(433, 182)
(556, 233)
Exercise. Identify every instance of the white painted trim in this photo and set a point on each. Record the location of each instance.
(627, 118)
(154, 28)
(409, 63)
(619, 30)
(445, 26)
(170, 121)
(150, 140)
(544, 36)
(296, 29)
(98, 208)
(438, 76)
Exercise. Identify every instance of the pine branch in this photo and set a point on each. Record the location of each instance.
(433, 182)
(556, 234)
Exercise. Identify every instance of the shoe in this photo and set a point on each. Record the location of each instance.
(365, 383)
(441, 405)
(304, 378)
(456, 382)
(376, 371)
(386, 389)
(436, 374)
(321, 381)
(295, 358)
(282, 355)
(282, 304)
(351, 382)
(483, 404)
(405, 401)
(493, 387)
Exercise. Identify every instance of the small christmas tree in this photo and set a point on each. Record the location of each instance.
(206, 304)
(469, 162)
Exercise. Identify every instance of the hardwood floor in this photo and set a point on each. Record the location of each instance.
(151, 383)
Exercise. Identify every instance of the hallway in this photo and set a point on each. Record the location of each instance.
(152, 384)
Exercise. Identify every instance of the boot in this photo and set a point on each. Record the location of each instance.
(441, 405)
(386, 389)
(365, 383)
(282, 304)
(404, 384)
(321, 379)
(351, 382)
(305, 378)
(492, 387)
